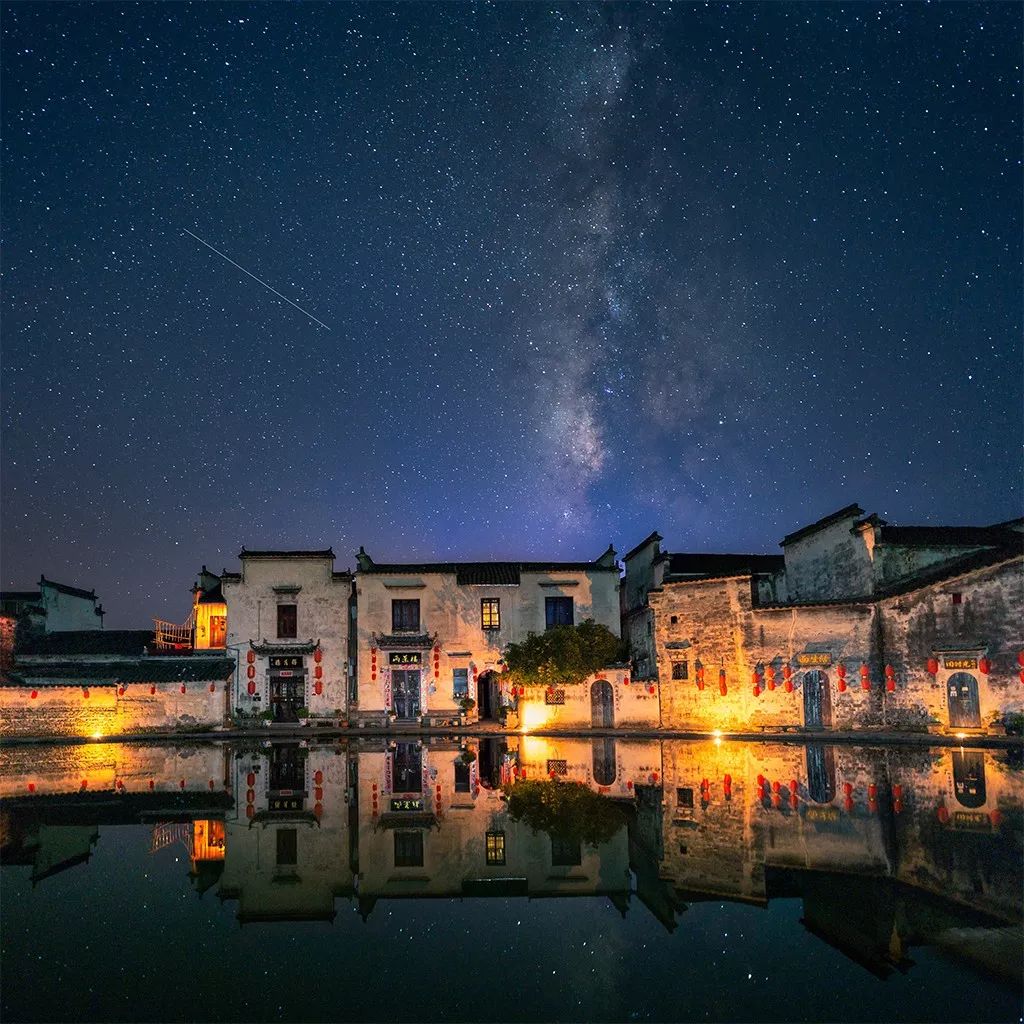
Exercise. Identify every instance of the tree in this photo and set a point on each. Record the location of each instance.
(565, 810)
(564, 654)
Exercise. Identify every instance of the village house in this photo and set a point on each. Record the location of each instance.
(288, 633)
(430, 638)
(53, 608)
(859, 625)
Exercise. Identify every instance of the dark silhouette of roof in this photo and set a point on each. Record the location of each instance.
(708, 565)
(833, 517)
(86, 641)
(649, 539)
(63, 588)
(325, 553)
(948, 536)
(111, 673)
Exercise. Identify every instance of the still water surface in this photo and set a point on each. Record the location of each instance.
(516, 879)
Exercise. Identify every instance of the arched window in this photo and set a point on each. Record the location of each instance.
(605, 769)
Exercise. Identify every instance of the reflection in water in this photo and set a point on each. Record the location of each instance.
(886, 849)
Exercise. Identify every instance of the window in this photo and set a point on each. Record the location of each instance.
(674, 619)
(460, 683)
(557, 612)
(565, 853)
(684, 797)
(405, 616)
(408, 849)
(554, 696)
(287, 847)
(958, 598)
(680, 670)
(287, 621)
(490, 613)
(461, 776)
(557, 766)
(408, 768)
(495, 847)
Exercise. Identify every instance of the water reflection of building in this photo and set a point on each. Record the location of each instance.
(859, 624)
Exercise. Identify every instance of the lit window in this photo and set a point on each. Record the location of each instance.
(490, 613)
(287, 621)
(460, 683)
(554, 696)
(557, 612)
(680, 670)
(495, 847)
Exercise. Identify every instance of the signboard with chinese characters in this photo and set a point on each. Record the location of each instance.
(959, 663)
(407, 804)
(972, 821)
(405, 658)
(814, 658)
(294, 662)
(285, 803)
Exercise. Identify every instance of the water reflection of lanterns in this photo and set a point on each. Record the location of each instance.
(865, 676)
(890, 678)
(727, 786)
(897, 798)
(722, 688)
(787, 677)
(700, 676)
(769, 677)
(250, 657)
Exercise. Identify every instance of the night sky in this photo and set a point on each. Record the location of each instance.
(585, 270)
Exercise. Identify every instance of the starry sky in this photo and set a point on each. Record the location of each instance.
(567, 273)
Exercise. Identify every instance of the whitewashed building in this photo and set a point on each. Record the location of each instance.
(431, 635)
(288, 628)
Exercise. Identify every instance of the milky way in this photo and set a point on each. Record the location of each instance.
(589, 270)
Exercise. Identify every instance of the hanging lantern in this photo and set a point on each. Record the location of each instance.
(794, 802)
(152, 689)
(318, 777)
(848, 805)
(787, 675)
(625, 679)
(250, 811)
(1020, 658)
(85, 692)
(251, 672)
(776, 786)
(933, 666)
(318, 794)
(872, 797)
(1021, 675)
(722, 688)
(318, 672)
(85, 783)
(847, 789)
(890, 678)
(996, 818)
(152, 784)
(650, 689)
(251, 779)
(865, 677)
(769, 677)
(318, 655)
(35, 693)
(942, 814)
(120, 691)
(755, 678)
(793, 785)
(182, 687)
(251, 687)
(32, 788)
(213, 687)
(841, 678)
(984, 666)
(727, 786)
(250, 657)
(318, 687)
(700, 676)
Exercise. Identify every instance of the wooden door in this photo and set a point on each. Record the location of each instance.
(964, 707)
(817, 701)
(602, 710)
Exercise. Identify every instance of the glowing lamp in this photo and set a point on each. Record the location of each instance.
(865, 677)
(35, 693)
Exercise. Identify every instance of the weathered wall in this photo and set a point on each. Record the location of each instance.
(67, 612)
(634, 762)
(66, 711)
(828, 564)
(322, 614)
(452, 612)
(635, 704)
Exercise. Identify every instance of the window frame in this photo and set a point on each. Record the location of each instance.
(490, 614)
(293, 635)
(556, 601)
(411, 854)
(680, 670)
(463, 674)
(287, 846)
(494, 848)
(399, 606)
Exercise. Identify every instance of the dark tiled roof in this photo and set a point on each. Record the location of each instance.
(140, 670)
(63, 588)
(87, 641)
(483, 572)
(951, 536)
(953, 568)
(722, 565)
(20, 595)
(649, 539)
(834, 517)
(327, 553)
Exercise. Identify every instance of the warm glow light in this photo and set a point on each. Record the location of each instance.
(97, 735)
(717, 734)
(961, 735)
(534, 716)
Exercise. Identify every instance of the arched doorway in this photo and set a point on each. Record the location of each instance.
(817, 701)
(602, 708)
(969, 778)
(487, 695)
(964, 707)
(604, 761)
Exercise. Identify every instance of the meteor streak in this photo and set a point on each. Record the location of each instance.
(255, 278)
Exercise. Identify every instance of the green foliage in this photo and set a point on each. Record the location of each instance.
(565, 654)
(565, 810)
(1014, 722)
(466, 704)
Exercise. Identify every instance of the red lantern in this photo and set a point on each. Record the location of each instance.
(625, 680)
(792, 785)
(755, 678)
(251, 687)
(847, 789)
(1020, 658)
(181, 783)
(35, 693)
(769, 676)
(213, 687)
(318, 794)
(848, 805)
(318, 688)
(152, 690)
(722, 688)
(318, 655)
(984, 666)
(318, 777)
(251, 779)
(182, 687)
(727, 786)
(85, 783)
(318, 672)
(757, 691)
(85, 692)
(32, 788)
(794, 801)
(890, 678)
(250, 657)
(250, 811)
(700, 676)
(841, 678)
(865, 677)
(933, 666)
(120, 691)
(787, 675)
(996, 818)
(251, 672)
(943, 814)
(152, 784)
(1021, 675)
(650, 689)
(776, 786)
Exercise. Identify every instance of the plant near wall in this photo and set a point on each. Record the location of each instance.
(466, 704)
(563, 655)
(565, 810)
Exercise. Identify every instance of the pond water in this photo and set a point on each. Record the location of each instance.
(510, 879)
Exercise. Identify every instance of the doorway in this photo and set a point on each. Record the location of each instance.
(969, 778)
(285, 697)
(602, 708)
(405, 692)
(604, 761)
(964, 707)
(817, 701)
(487, 695)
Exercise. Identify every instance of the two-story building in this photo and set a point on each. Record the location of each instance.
(430, 636)
(288, 630)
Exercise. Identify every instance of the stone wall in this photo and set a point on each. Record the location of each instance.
(66, 711)
(829, 563)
